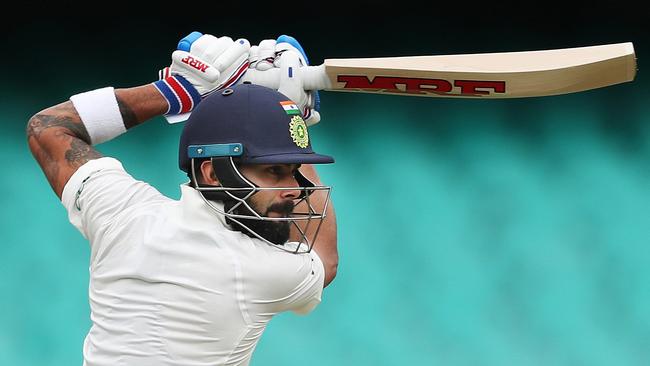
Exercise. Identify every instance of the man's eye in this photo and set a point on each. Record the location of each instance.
(275, 170)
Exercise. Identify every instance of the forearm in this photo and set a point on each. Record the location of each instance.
(326, 241)
(140, 104)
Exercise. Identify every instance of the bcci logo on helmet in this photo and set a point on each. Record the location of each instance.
(298, 131)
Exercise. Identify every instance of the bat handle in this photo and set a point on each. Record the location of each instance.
(313, 78)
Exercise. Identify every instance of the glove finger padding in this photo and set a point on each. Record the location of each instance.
(212, 63)
(233, 56)
(233, 63)
(264, 55)
(209, 47)
(197, 71)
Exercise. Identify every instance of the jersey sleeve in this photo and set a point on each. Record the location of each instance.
(100, 190)
(307, 295)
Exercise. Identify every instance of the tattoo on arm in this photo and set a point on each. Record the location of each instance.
(80, 152)
(65, 116)
(60, 143)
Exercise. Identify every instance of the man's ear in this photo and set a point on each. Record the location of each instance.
(207, 172)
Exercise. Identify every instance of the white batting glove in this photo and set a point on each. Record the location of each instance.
(201, 65)
(286, 54)
(262, 56)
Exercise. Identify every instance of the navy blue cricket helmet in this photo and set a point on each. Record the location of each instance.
(250, 123)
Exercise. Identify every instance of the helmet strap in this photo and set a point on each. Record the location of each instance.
(229, 176)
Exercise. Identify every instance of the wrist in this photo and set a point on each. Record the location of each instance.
(180, 95)
(139, 104)
(99, 112)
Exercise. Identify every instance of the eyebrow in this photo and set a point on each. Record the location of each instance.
(292, 165)
(285, 167)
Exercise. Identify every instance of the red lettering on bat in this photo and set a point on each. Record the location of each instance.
(195, 63)
(469, 87)
(389, 84)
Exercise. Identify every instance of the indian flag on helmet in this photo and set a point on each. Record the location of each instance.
(290, 107)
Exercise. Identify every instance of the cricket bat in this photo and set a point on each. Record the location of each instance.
(481, 75)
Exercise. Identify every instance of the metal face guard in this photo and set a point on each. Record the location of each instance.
(307, 222)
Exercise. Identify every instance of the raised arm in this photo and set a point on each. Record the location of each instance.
(61, 137)
(326, 241)
(61, 143)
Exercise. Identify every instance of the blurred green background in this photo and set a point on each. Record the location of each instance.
(504, 232)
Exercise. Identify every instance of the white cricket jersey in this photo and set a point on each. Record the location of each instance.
(170, 282)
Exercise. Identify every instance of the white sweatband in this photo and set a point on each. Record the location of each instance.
(100, 114)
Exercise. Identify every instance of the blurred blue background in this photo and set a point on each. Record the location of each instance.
(504, 232)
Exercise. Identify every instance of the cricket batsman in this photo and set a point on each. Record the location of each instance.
(195, 281)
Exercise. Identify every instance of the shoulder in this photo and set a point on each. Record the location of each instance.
(104, 171)
(101, 190)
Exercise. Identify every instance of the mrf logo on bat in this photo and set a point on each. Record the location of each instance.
(391, 84)
(195, 63)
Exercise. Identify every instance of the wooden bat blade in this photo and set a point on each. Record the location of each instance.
(487, 75)
(479, 76)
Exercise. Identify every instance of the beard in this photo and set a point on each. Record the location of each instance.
(277, 232)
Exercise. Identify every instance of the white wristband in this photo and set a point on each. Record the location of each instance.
(100, 114)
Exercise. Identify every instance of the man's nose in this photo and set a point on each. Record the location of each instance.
(290, 182)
